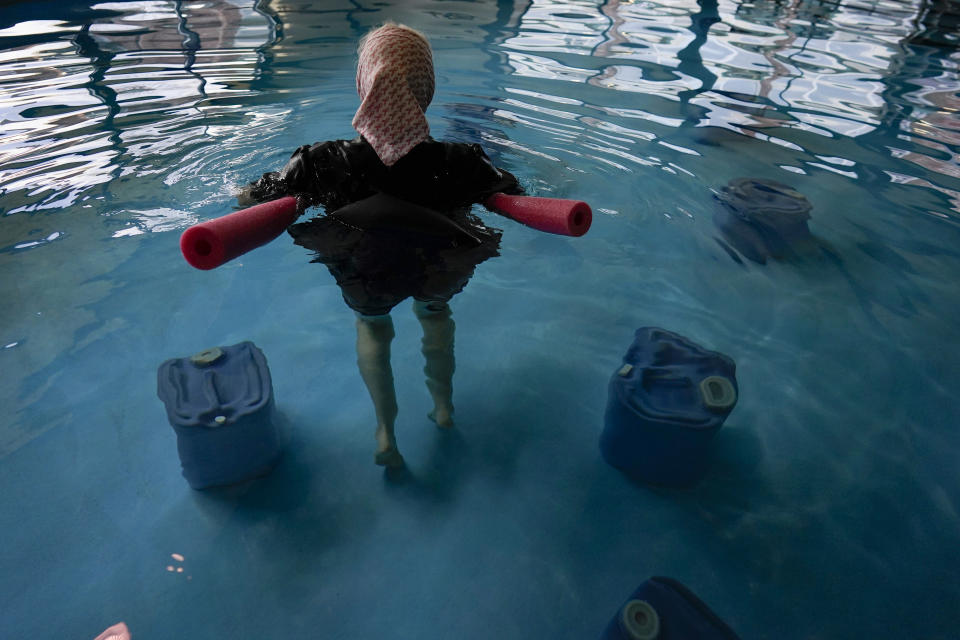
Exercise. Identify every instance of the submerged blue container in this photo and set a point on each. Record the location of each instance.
(663, 609)
(220, 404)
(665, 405)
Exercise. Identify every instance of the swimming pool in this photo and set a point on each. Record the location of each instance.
(831, 506)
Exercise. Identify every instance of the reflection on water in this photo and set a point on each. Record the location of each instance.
(111, 95)
(124, 89)
(103, 105)
(773, 72)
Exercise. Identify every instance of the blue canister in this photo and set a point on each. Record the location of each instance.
(663, 609)
(665, 404)
(220, 404)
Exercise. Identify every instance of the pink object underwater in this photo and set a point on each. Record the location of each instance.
(212, 243)
(118, 631)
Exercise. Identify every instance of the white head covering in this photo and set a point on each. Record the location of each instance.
(395, 82)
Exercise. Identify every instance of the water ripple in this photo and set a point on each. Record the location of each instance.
(126, 92)
(768, 73)
(159, 90)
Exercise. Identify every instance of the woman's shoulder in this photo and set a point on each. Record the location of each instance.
(350, 147)
(447, 154)
(427, 154)
(454, 147)
(335, 155)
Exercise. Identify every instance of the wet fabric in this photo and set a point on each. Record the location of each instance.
(385, 237)
(377, 271)
(390, 216)
(395, 82)
(439, 175)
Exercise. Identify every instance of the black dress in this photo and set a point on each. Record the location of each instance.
(390, 233)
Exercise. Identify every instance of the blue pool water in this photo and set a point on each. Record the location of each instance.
(832, 506)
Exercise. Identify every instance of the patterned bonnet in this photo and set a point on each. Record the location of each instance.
(395, 82)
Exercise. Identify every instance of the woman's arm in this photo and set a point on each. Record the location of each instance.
(315, 174)
(475, 176)
(276, 184)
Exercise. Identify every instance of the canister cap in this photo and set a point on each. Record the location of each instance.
(718, 393)
(640, 621)
(660, 380)
(207, 356)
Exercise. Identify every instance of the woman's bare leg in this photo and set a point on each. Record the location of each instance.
(438, 333)
(374, 334)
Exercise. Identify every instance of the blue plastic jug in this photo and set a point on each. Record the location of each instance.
(665, 405)
(220, 404)
(663, 609)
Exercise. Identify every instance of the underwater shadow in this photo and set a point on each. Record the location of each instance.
(435, 483)
(733, 471)
(751, 522)
(301, 501)
(752, 526)
(492, 431)
(295, 527)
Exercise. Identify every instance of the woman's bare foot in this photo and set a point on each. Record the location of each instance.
(389, 458)
(443, 417)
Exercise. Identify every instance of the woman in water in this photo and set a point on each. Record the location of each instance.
(397, 221)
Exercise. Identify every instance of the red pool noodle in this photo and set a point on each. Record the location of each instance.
(214, 242)
(553, 215)
(210, 244)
